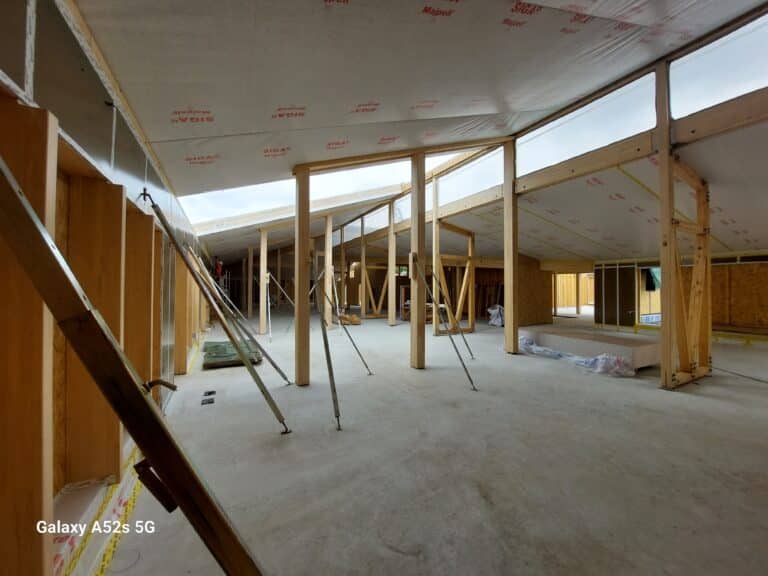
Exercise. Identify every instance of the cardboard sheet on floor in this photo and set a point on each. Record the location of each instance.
(222, 355)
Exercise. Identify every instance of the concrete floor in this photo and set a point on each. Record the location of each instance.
(545, 470)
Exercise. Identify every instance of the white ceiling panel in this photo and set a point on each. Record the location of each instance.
(236, 92)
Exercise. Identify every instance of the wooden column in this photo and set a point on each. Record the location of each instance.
(511, 276)
(391, 268)
(249, 284)
(301, 279)
(554, 294)
(181, 318)
(243, 285)
(436, 264)
(668, 237)
(343, 253)
(96, 254)
(157, 310)
(471, 288)
(28, 146)
(139, 290)
(328, 277)
(263, 281)
(418, 288)
(578, 293)
(279, 294)
(363, 272)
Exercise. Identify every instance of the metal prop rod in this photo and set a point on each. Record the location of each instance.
(240, 320)
(436, 313)
(344, 327)
(283, 291)
(241, 352)
(119, 382)
(458, 320)
(316, 281)
(336, 299)
(328, 361)
(338, 317)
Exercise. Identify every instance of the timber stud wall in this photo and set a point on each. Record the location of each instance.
(55, 426)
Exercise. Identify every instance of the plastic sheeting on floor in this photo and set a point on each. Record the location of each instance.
(601, 364)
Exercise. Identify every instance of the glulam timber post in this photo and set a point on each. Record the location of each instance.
(471, 271)
(578, 294)
(279, 271)
(343, 257)
(263, 281)
(28, 145)
(418, 288)
(243, 283)
(363, 271)
(249, 284)
(328, 277)
(302, 260)
(668, 240)
(511, 276)
(391, 268)
(436, 263)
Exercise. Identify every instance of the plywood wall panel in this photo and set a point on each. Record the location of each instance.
(749, 295)
(181, 307)
(96, 254)
(28, 146)
(139, 279)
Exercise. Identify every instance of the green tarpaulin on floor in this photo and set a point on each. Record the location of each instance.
(223, 355)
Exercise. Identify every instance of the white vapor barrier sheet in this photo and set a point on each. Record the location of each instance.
(237, 92)
(734, 65)
(624, 112)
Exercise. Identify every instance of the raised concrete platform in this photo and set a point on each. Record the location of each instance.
(641, 350)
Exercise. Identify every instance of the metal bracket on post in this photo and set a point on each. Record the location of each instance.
(152, 383)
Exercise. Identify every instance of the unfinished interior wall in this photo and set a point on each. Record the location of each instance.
(139, 291)
(96, 254)
(28, 146)
(739, 295)
(615, 294)
(181, 324)
(535, 291)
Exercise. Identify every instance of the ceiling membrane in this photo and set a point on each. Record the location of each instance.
(237, 92)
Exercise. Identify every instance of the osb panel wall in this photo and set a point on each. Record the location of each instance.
(749, 290)
(739, 295)
(535, 291)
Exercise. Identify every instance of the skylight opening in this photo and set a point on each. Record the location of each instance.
(620, 114)
(730, 67)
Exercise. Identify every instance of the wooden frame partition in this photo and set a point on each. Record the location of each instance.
(96, 254)
(167, 469)
(28, 144)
